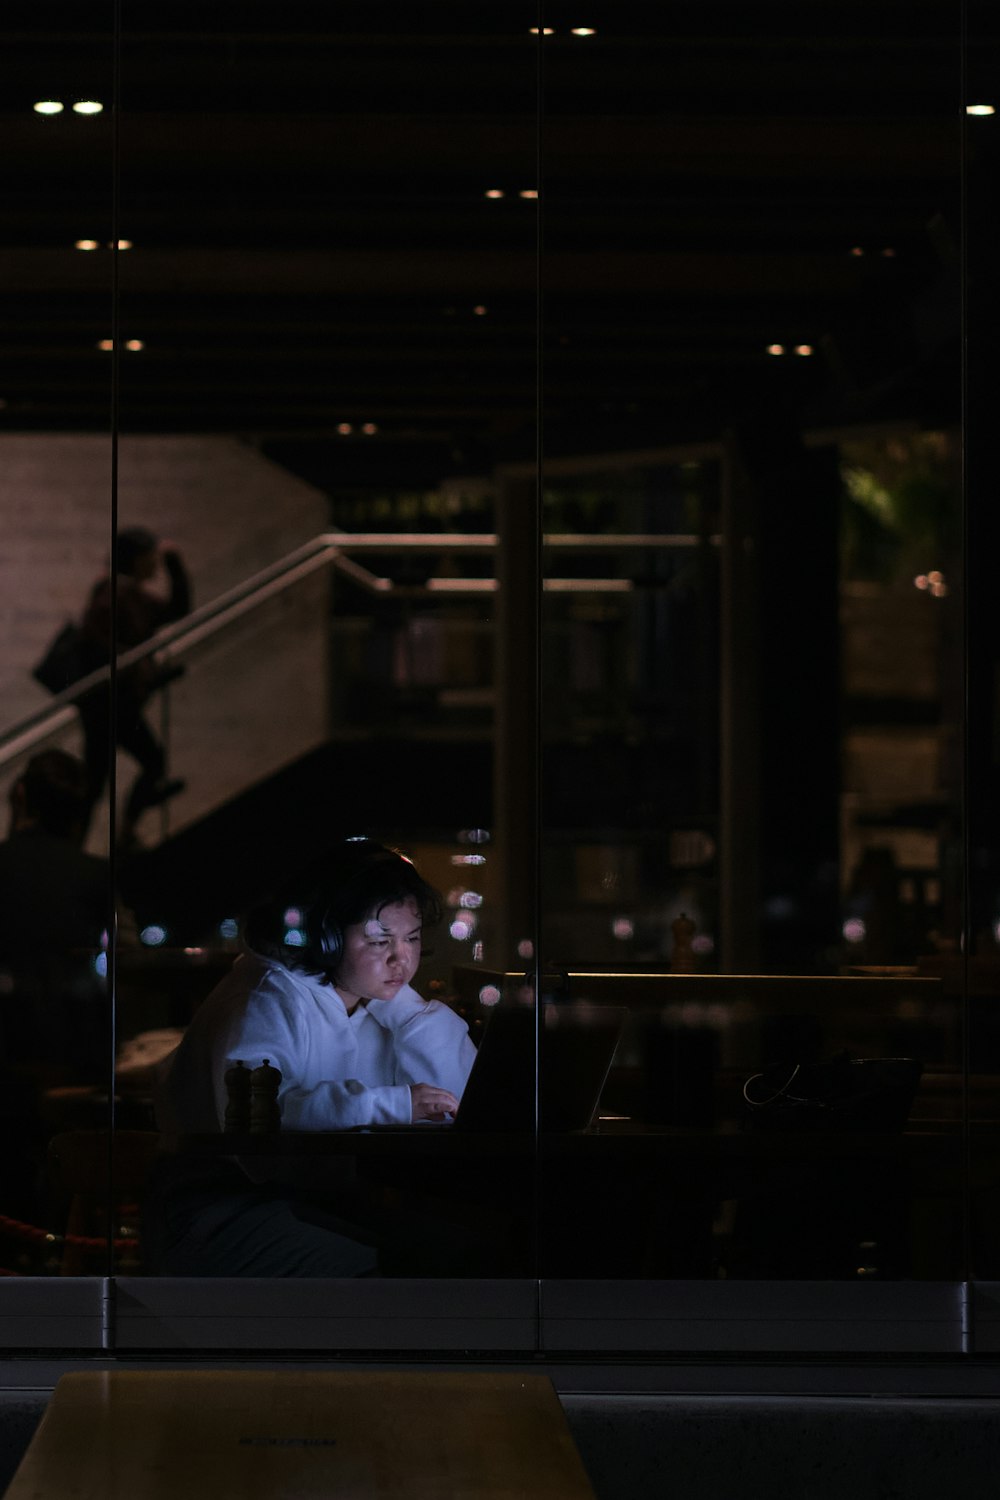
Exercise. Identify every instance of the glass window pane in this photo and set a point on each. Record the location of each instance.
(754, 647)
(56, 462)
(329, 370)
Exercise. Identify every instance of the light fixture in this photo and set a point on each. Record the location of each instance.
(86, 245)
(48, 107)
(584, 31)
(970, 109)
(120, 244)
(135, 345)
(494, 192)
(106, 344)
(87, 107)
(775, 348)
(528, 193)
(345, 429)
(480, 311)
(857, 250)
(804, 349)
(369, 429)
(543, 31)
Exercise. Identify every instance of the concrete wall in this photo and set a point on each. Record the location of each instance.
(255, 698)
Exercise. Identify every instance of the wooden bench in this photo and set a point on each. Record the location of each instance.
(317, 1435)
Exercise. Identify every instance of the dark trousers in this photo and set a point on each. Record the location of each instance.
(134, 736)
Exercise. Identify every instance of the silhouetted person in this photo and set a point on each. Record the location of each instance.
(55, 908)
(140, 614)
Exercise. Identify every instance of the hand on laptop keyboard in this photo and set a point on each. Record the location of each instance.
(430, 1103)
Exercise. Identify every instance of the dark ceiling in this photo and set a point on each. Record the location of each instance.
(304, 186)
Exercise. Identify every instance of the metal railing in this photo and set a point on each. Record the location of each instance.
(334, 549)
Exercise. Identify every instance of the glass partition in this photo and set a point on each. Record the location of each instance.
(752, 819)
(531, 441)
(56, 458)
(331, 310)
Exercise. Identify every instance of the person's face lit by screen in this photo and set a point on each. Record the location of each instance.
(381, 954)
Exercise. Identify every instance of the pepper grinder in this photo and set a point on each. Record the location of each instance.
(265, 1114)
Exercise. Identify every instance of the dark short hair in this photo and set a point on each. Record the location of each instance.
(55, 791)
(132, 543)
(346, 885)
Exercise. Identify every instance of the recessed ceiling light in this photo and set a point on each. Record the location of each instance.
(857, 250)
(106, 344)
(345, 429)
(87, 107)
(86, 245)
(804, 349)
(480, 311)
(122, 244)
(48, 107)
(135, 345)
(584, 31)
(369, 429)
(543, 31)
(494, 192)
(528, 193)
(970, 109)
(775, 348)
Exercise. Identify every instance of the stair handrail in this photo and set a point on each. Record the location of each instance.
(328, 548)
(325, 549)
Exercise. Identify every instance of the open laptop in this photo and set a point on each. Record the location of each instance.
(576, 1047)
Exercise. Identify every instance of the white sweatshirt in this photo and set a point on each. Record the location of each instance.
(336, 1070)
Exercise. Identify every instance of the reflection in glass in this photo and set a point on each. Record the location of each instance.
(339, 342)
(56, 462)
(752, 780)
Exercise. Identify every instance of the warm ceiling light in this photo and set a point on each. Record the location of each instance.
(857, 250)
(86, 245)
(494, 192)
(528, 193)
(48, 107)
(970, 109)
(803, 349)
(584, 31)
(87, 107)
(345, 429)
(480, 311)
(369, 429)
(135, 345)
(122, 244)
(543, 30)
(775, 348)
(106, 344)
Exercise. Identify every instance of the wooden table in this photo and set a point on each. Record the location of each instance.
(314, 1435)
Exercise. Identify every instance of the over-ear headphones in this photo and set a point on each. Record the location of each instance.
(343, 887)
(329, 938)
(359, 858)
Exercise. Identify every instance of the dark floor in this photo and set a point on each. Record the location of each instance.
(739, 1447)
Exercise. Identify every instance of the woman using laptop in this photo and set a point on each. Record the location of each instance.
(323, 993)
